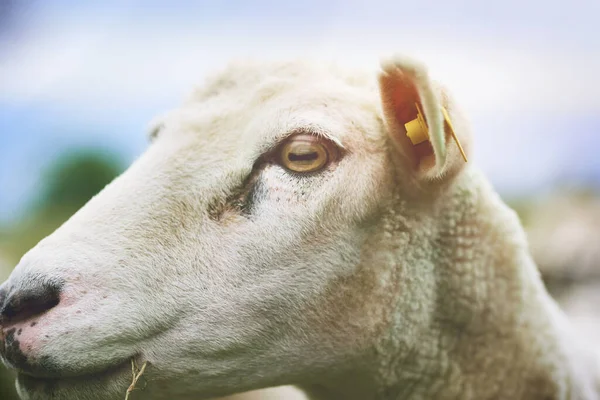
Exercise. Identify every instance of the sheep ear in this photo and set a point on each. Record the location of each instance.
(417, 120)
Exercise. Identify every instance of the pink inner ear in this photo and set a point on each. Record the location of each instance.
(404, 96)
(423, 150)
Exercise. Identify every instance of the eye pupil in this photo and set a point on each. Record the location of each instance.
(304, 153)
(296, 157)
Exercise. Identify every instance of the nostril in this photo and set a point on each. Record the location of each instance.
(34, 300)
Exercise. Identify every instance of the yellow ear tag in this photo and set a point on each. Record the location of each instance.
(417, 130)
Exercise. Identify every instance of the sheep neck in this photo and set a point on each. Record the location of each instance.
(479, 324)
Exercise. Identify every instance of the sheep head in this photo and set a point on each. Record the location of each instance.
(281, 228)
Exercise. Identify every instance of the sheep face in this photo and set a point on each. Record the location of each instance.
(246, 248)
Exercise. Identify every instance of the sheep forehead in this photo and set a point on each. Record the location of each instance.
(249, 107)
(245, 76)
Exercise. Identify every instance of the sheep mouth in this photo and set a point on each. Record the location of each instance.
(50, 384)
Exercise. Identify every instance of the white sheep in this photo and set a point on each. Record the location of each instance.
(283, 229)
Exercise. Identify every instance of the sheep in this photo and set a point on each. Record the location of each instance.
(284, 229)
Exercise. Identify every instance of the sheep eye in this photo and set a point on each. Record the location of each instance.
(304, 153)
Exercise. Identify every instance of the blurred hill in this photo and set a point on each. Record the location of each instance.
(564, 234)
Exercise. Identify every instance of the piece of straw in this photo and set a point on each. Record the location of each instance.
(136, 375)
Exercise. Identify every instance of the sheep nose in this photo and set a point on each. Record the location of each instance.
(31, 301)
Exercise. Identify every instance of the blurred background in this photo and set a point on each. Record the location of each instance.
(79, 81)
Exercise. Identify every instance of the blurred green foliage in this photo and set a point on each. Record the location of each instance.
(68, 183)
(75, 179)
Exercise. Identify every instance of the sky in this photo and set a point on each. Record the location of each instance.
(94, 73)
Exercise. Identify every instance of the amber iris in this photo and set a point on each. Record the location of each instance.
(304, 153)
